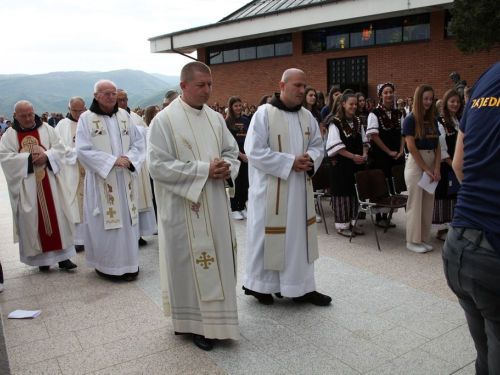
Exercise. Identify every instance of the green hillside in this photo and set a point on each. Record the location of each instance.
(51, 92)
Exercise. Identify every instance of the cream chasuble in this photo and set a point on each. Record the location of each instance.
(196, 236)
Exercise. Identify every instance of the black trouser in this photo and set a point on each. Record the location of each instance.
(240, 188)
(1, 274)
(472, 269)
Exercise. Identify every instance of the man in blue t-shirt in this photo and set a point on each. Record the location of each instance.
(471, 254)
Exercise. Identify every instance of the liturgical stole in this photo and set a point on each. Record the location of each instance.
(277, 193)
(108, 187)
(48, 226)
(81, 179)
(198, 220)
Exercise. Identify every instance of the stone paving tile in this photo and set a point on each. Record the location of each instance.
(352, 350)
(177, 361)
(43, 350)
(416, 362)
(29, 333)
(454, 347)
(245, 359)
(360, 323)
(399, 340)
(119, 329)
(267, 334)
(419, 321)
(470, 369)
(123, 350)
(48, 367)
(310, 360)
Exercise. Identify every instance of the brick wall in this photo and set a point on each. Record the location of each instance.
(405, 65)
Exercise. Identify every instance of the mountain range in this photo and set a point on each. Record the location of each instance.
(51, 92)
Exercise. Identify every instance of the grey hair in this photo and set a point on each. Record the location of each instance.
(122, 90)
(100, 82)
(289, 72)
(21, 103)
(170, 95)
(75, 98)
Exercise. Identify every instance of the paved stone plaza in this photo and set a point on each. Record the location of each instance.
(392, 313)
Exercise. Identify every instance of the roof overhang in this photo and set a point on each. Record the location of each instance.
(304, 18)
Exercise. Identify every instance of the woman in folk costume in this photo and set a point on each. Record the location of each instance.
(444, 202)
(384, 129)
(238, 126)
(347, 146)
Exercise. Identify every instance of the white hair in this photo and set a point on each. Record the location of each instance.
(75, 98)
(100, 82)
(170, 95)
(22, 103)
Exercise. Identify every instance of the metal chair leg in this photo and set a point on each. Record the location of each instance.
(375, 229)
(322, 213)
(355, 222)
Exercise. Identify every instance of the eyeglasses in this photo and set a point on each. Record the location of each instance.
(122, 100)
(108, 94)
(77, 110)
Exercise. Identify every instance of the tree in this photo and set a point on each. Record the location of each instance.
(475, 25)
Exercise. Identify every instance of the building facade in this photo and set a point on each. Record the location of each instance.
(355, 44)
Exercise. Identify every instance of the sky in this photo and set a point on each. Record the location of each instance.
(42, 36)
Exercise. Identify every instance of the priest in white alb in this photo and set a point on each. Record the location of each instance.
(111, 150)
(74, 172)
(32, 159)
(191, 156)
(147, 217)
(284, 149)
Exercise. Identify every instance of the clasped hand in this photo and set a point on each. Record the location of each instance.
(39, 158)
(219, 169)
(302, 163)
(436, 176)
(122, 162)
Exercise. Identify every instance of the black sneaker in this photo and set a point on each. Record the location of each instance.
(314, 298)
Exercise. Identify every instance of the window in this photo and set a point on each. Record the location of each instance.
(337, 38)
(215, 55)
(231, 53)
(389, 31)
(283, 45)
(416, 27)
(280, 45)
(449, 18)
(362, 35)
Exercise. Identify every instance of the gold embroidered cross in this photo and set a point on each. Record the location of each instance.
(308, 133)
(111, 212)
(205, 260)
(134, 208)
(96, 124)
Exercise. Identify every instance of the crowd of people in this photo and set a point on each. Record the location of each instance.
(101, 177)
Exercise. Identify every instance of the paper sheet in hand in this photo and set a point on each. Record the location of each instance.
(426, 184)
(24, 314)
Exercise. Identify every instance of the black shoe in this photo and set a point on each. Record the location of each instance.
(44, 268)
(67, 264)
(315, 298)
(79, 248)
(265, 299)
(142, 242)
(278, 295)
(202, 342)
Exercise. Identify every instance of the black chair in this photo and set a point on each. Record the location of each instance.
(398, 180)
(321, 182)
(370, 186)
